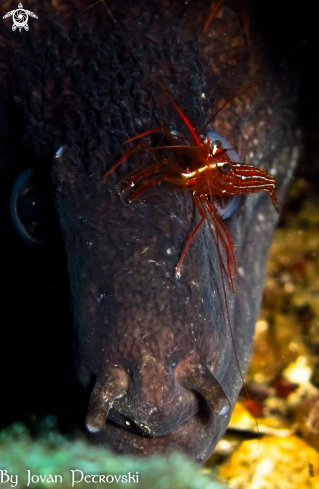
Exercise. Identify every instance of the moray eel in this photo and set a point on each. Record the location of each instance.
(154, 352)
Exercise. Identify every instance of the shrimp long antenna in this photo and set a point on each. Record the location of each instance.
(227, 312)
(187, 123)
(245, 20)
(180, 112)
(213, 11)
(91, 6)
(108, 11)
(145, 133)
(118, 163)
(228, 102)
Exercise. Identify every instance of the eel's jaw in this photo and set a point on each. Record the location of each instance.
(196, 437)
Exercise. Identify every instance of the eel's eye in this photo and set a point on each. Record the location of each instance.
(27, 208)
(226, 206)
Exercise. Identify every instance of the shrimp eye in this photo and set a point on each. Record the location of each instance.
(216, 146)
(225, 167)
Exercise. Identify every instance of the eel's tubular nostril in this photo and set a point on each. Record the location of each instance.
(194, 376)
(109, 386)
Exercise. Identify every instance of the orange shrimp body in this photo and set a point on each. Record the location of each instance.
(220, 176)
(211, 172)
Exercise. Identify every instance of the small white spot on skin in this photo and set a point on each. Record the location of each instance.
(176, 133)
(241, 272)
(92, 429)
(260, 217)
(145, 250)
(273, 172)
(202, 95)
(58, 154)
(169, 251)
(178, 274)
(224, 410)
(128, 423)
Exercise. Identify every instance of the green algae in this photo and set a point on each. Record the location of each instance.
(50, 453)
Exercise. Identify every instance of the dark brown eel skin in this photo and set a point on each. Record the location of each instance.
(156, 352)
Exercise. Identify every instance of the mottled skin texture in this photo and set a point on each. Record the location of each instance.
(82, 82)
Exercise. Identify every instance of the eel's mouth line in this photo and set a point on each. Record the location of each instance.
(143, 428)
(195, 431)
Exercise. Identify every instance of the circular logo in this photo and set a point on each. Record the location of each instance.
(20, 19)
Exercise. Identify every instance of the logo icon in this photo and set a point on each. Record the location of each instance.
(20, 18)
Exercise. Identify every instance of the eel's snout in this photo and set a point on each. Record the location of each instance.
(156, 399)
